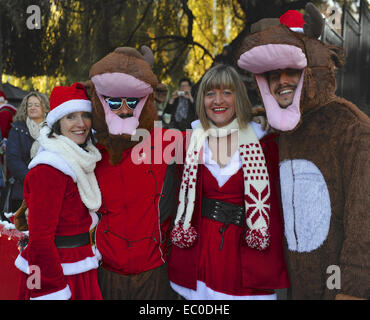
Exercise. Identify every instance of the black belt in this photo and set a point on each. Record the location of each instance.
(75, 241)
(224, 212)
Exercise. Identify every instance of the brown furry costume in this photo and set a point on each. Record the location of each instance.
(138, 198)
(325, 176)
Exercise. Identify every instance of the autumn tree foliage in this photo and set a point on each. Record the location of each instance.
(186, 36)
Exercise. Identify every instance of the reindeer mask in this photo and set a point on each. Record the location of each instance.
(123, 73)
(279, 47)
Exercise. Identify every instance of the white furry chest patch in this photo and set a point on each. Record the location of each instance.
(306, 205)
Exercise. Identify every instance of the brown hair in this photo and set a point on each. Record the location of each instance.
(224, 77)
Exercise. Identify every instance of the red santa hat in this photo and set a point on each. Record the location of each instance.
(2, 97)
(65, 100)
(293, 19)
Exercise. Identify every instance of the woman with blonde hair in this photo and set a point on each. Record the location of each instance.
(22, 144)
(227, 234)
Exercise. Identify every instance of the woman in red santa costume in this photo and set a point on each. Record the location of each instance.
(227, 234)
(62, 195)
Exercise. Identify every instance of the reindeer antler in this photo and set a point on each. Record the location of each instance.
(148, 55)
(314, 21)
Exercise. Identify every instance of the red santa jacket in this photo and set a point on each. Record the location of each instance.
(260, 269)
(139, 196)
(55, 209)
(7, 112)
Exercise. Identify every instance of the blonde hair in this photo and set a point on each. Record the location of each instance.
(224, 77)
(21, 114)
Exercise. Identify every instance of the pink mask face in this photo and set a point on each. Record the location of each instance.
(270, 57)
(121, 85)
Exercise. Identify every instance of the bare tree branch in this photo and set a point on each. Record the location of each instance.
(190, 16)
(183, 39)
(139, 24)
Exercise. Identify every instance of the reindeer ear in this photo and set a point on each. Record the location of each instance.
(337, 55)
(161, 87)
(87, 84)
(148, 55)
(314, 21)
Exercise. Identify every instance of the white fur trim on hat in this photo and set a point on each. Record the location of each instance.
(67, 107)
(296, 29)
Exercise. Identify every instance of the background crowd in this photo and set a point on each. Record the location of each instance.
(20, 128)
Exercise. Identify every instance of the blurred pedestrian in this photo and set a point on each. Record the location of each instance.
(22, 145)
(7, 112)
(160, 96)
(181, 107)
(1, 172)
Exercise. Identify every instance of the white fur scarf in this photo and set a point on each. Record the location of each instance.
(34, 130)
(256, 186)
(82, 162)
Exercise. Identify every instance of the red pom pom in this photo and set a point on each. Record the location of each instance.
(292, 19)
(183, 238)
(258, 238)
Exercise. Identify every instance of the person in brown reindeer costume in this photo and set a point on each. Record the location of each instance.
(324, 156)
(137, 187)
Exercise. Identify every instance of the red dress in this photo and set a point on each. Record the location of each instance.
(236, 270)
(226, 277)
(55, 209)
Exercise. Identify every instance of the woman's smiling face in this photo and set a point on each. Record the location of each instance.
(35, 110)
(220, 106)
(76, 126)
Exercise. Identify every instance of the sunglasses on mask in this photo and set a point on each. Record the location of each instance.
(116, 104)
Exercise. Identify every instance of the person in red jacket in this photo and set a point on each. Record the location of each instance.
(135, 177)
(62, 195)
(228, 230)
(7, 112)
